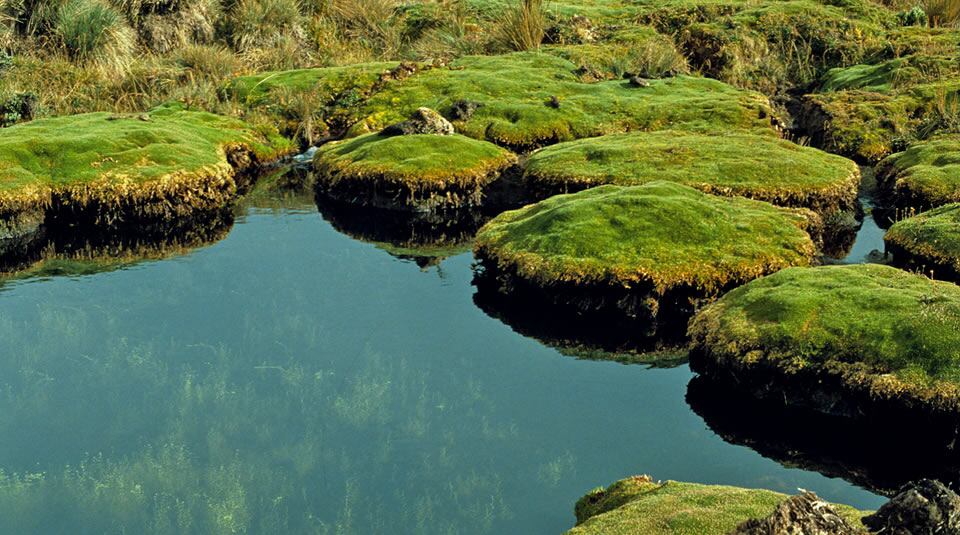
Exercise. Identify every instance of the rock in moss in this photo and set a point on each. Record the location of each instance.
(648, 251)
(924, 176)
(863, 341)
(759, 167)
(641, 505)
(157, 169)
(420, 172)
(928, 242)
(512, 90)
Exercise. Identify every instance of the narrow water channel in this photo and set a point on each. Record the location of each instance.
(290, 378)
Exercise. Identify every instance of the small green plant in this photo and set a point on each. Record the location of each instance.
(523, 26)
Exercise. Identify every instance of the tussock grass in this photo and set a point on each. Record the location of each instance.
(522, 25)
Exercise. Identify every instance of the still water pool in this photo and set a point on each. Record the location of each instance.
(291, 379)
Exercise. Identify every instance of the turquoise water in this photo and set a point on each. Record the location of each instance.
(291, 379)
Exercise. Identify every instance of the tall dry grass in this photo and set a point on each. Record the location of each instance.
(942, 13)
(522, 26)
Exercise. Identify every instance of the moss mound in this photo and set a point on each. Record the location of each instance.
(663, 233)
(758, 167)
(929, 242)
(640, 505)
(515, 92)
(846, 340)
(159, 167)
(421, 171)
(649, 252)
(925, 175)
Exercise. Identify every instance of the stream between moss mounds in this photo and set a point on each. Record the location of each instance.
(290, 378)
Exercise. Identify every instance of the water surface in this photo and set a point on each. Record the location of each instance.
(289, 378)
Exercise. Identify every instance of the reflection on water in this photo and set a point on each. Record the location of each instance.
(869, 454)
(288, 378)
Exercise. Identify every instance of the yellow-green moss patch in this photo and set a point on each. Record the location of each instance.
(929, 242)
(662, 233)
(420, 171)
(640, 505)
(852, 338)
(160, 166)
(516, 93)
(925, 175)
(758, 167)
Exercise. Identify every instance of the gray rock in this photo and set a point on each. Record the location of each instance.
(464, 109)
(803, 514)
(924, 507)
(637, 81)
(423, 121)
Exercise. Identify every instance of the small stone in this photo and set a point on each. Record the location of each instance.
(145, 117)
(636, 81)
(553, 102)
(423, 121)
(925, 507)
(803, 514)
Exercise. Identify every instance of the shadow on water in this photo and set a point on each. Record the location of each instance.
(865, 453)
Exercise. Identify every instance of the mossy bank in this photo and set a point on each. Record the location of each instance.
(928, 242)
(863, 341)
(420, 172)
(152, 171)
(640, 505)
(649, 252)
(924, 176)
(737, 164)
(526, 100)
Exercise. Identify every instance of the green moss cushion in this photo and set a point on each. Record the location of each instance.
(515, 89)
(758, 167)
(925, 175)
(878, 331)
(170, 155)
(661, 233)
(639, 505)
(930, 240)
(423, 167)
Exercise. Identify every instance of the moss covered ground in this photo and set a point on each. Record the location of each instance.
(640, 505)
(929, 241)
(925, 175)
(759, 167)
(414, 170)
(660, 233)
(904, 93)
(877, 329)
(307, 98)
(165, 163)
(515, 93)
